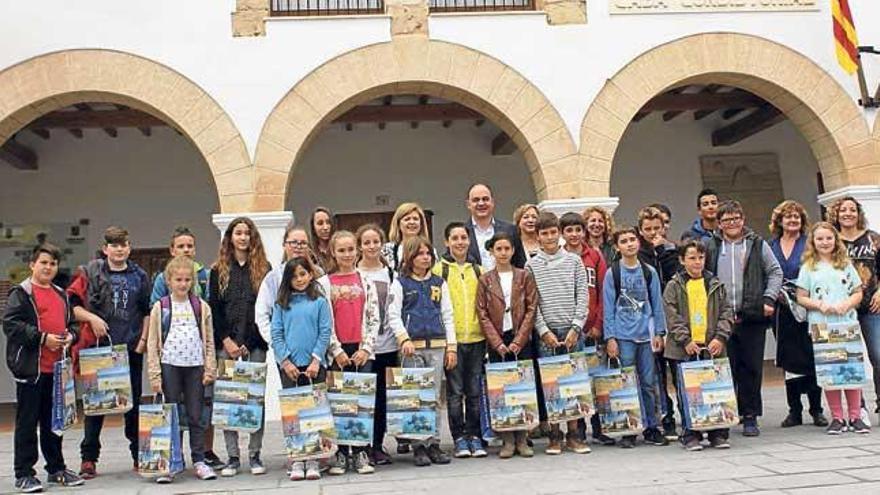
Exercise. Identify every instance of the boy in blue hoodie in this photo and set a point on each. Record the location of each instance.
(635, 324)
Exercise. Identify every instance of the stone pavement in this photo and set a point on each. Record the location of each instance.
(801, 460)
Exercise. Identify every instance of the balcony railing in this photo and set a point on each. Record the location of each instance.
(286, 8)
(480, 5)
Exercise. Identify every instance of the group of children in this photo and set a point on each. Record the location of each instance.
(346, 305)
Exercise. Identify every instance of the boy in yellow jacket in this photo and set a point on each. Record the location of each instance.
(462, 277)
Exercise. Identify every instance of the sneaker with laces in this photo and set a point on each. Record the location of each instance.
(462, 448)
(297, 471)
(693, 444)
(719, 442)
(257, 467)
(654, 437)
(574, 444)
(836, 427)
(204, 471)
(750, 427)
(859, 426)
(554, 446)
(212, 460)
(164, 479)
(669, 430)
(313, 471)
(28, 484)
(65, 477)
(475, 446)
(339, 464)
(436, 455)
(88, 470)
(362, 463)
(231, 468)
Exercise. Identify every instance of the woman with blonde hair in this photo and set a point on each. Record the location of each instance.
(600, 226)
(525, 217)
(794, 348)
(409, 221)
(863, 247)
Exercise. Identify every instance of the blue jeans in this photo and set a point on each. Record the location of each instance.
(870, 323)
(640, 355)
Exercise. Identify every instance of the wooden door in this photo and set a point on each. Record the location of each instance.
(353, 221)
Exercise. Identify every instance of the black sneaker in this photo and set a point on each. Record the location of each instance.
(28, 484)
(859, 426)
(420, 456)
(719, 442)
(654, 437)
(65, 478)
(436, 455)
(669, 431)
(792, 420)
(627, 442)
(836, 427)
(212, 460)
(379, 457)
(819, 419)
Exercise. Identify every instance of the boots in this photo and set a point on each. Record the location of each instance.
(507, 446)
(522, 445)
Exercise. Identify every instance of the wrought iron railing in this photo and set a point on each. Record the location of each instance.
(480, 5)
(288, 8)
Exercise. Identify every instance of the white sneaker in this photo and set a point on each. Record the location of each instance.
(164, 479)
(362, 463)
(297, 471)
(204, 471)
(313, 471)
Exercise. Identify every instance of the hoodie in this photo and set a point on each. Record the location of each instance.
(697, 231)
(594, 264)
(752, 277)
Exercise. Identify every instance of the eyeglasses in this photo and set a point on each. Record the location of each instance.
(731, 220)
(296, 243)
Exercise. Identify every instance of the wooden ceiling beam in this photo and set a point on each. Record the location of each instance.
(146, 131)
(43, 133)
(502, 145)
(731, 112)
(96, 119)
(77, 133)
(702, 101)
(18, 155)
(408, 113)
(759, 120)
(667, 116)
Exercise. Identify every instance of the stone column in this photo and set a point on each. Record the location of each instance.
(578, 205)
(867, 196)
(271, 226)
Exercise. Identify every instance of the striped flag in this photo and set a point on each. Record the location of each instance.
(845, 41)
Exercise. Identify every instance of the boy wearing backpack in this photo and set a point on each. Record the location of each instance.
(462, 277)
(562, 311)
(112, 295)
(635, 324)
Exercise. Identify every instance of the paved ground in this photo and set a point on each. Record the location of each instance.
(801, 460)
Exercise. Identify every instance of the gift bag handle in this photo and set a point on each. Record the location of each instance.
(699, 355)
(616, 359)
(109, 339)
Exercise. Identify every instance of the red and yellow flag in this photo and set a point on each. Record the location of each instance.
(845, 41)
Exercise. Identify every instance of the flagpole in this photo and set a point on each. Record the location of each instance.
(867, 101)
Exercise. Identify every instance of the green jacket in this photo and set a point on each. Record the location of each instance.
(675, 299)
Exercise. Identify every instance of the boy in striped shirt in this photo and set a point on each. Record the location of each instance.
(562, 310)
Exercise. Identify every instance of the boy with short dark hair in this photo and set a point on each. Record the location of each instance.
(706, 224)
(635, 325)
(116, 304)
(700, 317)
(39, 325)
(562, 311)
(462, 275)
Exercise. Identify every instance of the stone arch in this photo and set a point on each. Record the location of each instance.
(421, 66)
(826, 115)
(48, 82)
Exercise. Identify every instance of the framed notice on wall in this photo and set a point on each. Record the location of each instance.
(17, 241)
(751, 178)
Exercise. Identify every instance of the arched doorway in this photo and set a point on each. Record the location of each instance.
(827, 119)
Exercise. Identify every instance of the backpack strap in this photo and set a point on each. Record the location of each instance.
(165, 306)
(444, 271)
(196, 303)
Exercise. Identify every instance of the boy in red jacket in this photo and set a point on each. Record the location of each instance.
(574, 230)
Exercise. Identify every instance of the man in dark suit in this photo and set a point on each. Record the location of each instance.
(483, 225)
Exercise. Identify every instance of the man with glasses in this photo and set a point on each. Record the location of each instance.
(707, 223)
(483, 225)
(753, 278)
